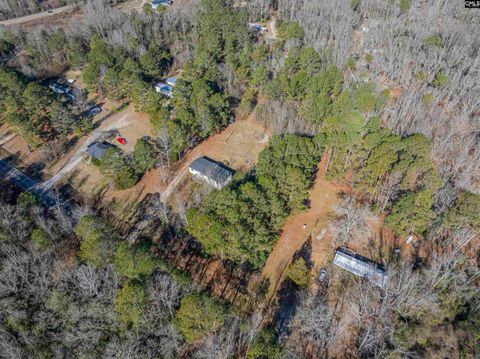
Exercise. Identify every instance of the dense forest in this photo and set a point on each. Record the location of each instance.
(426, 50)
(110, 300)
(384, 91)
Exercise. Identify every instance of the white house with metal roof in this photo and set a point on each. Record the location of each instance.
(210, 172)
(360, 266)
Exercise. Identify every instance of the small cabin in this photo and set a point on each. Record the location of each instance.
(211, 172)
(258, 27)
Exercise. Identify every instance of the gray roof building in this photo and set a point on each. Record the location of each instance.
(210, 172)
(360, 266)
(97, 149)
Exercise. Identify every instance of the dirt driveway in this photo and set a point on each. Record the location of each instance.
(271, 35)
(118, 122)
(323, 196)
(237, 146)
(36, 17)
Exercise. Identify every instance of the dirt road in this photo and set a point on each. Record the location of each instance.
(38, 16)
(299, 228)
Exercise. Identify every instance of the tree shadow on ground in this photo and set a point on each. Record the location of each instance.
(306, 253)
(288, 299)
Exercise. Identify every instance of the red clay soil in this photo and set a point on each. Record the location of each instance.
(14, 144)
(323, 196)
(237, 146)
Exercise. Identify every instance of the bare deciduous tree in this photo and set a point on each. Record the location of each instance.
(9, 346)
(317, 323)
(124, 348)
(349, 222)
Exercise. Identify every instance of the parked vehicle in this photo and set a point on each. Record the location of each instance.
(58, 88)
(322, 275)
(121, 140)
(70, 96)
(92, 111)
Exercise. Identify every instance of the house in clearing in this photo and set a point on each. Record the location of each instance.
(98, 149)
(210, 172)
(360, 266)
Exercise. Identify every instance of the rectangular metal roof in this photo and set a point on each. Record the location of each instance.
(161, 2)
(211, 170)
(360, 266)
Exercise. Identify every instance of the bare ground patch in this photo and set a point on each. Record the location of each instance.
(15, 145)
(130, 124)
(237, 146)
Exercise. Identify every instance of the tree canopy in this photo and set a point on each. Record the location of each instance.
(241, 222)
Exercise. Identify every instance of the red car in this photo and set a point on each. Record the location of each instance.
(121, 140)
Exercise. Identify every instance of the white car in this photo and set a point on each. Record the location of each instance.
(322, 275)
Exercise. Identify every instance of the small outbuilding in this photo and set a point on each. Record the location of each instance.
(360, 266)
(157, 3)
(98, 149)
(164, 89)
(211, 172)
(258, 27)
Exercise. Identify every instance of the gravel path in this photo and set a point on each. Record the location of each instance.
(38, 16)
